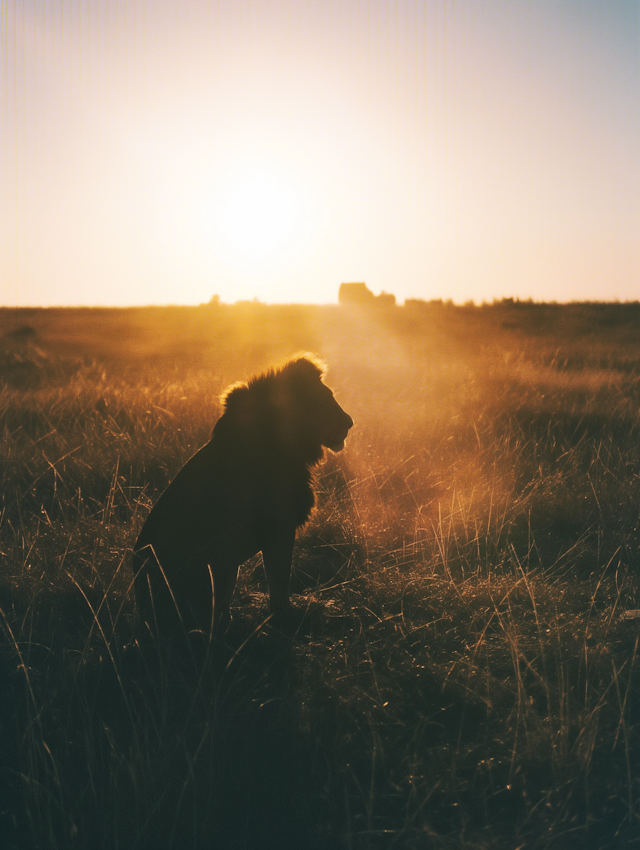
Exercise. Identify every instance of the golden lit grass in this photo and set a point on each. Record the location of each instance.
(462, 676)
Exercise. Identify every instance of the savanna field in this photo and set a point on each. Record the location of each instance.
(467, 670)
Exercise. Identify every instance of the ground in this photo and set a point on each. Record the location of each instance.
(466, 671)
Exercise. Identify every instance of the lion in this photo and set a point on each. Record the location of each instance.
(246, 491)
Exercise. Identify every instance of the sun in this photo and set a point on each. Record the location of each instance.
(255, 216)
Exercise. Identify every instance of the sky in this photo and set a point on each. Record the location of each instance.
(165, 151)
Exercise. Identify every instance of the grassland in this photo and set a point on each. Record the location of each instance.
(466, 674)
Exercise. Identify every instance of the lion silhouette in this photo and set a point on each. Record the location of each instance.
(246, 491)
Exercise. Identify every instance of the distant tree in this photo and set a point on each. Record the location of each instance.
(360, 295)
(355, 293)
(421, 304)
(386, 299)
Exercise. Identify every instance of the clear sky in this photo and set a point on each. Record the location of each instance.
(162, 151)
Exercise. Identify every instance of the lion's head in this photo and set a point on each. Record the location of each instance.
(319, 411)
(291, 406)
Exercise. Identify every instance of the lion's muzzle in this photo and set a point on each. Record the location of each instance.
(336, 443)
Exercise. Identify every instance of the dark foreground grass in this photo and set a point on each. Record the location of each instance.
(465, 673)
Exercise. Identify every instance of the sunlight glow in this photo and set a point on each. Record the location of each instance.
(254, 216)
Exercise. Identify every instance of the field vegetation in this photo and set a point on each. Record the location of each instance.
(467, 671)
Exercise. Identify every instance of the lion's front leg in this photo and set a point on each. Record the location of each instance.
(277, 555)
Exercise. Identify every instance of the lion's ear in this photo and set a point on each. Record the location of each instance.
(305, 366)
(236, 398)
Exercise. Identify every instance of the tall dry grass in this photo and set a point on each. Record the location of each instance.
(465, 674)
